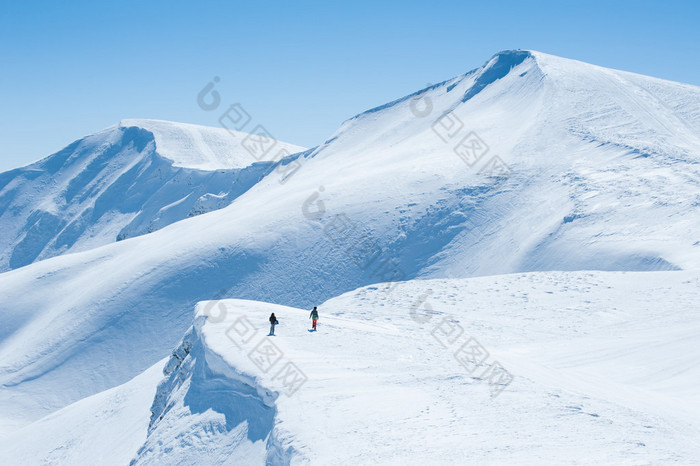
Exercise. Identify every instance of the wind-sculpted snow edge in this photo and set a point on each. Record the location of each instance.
(205, 398)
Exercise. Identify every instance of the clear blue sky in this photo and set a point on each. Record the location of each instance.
(300, 68)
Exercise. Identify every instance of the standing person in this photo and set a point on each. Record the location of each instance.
(273, 322)
(314, 317)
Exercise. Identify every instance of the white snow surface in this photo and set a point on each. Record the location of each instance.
(124, 181)
(604, 175)
(604, 368)
(203, 147)
(106, 428)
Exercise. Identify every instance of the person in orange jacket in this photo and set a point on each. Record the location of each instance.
(314, 317)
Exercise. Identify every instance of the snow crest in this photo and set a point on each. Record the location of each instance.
(206, 411)
(202, 147)
(120, 183)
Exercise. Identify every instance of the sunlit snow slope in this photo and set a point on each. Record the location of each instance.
(603, 174)
(604, 370)
(124, 181)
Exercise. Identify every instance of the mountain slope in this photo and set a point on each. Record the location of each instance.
(106, 428)
(590, 178)
(128, 180)
(604, 369)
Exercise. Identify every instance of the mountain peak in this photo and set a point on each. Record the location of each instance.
(201, 147)
(515, 55)
(496, 68)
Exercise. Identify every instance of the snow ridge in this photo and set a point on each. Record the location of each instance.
(205, 410)
(201, 147)
(122, 182)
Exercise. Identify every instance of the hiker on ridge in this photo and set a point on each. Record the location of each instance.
(314, 317)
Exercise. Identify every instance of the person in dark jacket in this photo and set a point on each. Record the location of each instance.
(273, 322)
(314, 317)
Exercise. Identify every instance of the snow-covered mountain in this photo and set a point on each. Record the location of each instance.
(127, 180)
(530, 163)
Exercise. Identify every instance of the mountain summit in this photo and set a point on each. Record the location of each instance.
(127, 180)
